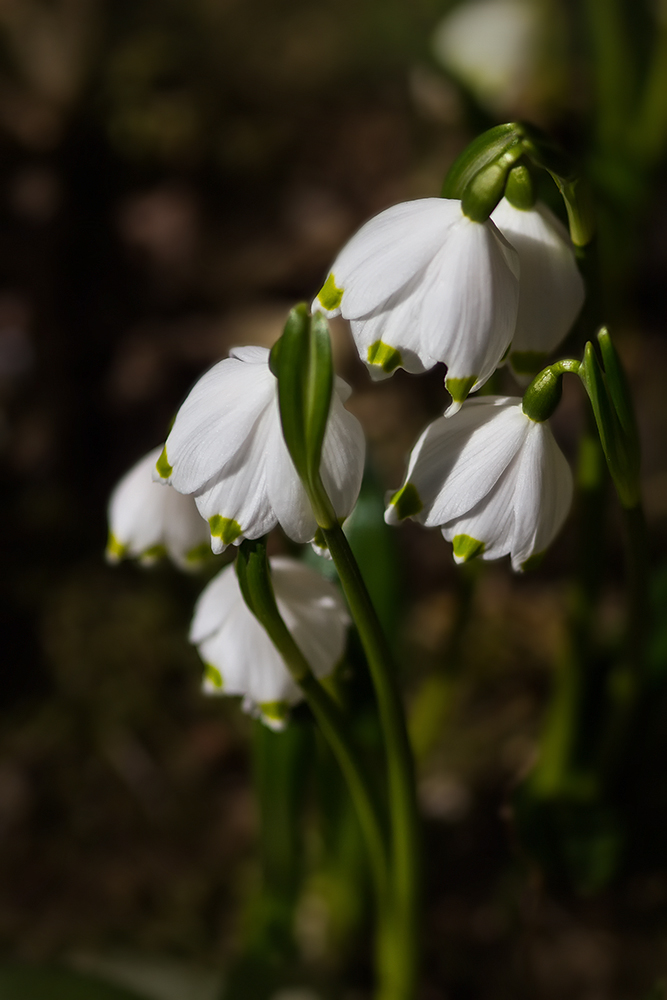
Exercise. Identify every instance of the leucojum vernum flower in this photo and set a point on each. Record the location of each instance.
(265, 444)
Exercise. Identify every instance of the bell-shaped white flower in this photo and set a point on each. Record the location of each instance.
(422, 283)
(226, 447)
(551, 289)
(147, 522)
(491, 478)
(239, 657)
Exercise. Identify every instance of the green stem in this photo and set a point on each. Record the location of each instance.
(636, 548)
(650, 127)
(257, 589)
(613, 69)
(558, 753)
(400, 971)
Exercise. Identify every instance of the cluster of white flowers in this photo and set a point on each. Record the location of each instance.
(421, 284)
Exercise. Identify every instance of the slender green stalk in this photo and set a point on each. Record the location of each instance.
(649, 132)
(636, 554)
(329, 716)
(401, 972)
(561, 732)
(613, 67)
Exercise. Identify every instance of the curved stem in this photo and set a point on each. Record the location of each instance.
(255, 581)
(401, 969)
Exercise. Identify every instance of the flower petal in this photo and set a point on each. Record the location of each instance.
(388, 251)
(145, 516)
(214, 605)
(470, 301)
(458, 460)
(236, 503)
(551, 289)
(543, 494)
(313, 611)
(343, 454)
(216, 419)
(286, 494)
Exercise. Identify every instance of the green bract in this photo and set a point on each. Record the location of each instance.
(301, 361)
(481, 174)
(614, 415)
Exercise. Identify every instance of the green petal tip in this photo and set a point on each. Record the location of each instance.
(385, 357)
(329, 295)
(406, 502)
(466, 547)
(225, 528)
(162, 465)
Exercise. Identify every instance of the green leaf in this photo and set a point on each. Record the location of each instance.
(617, 384)
(620, 448)
(25, 982)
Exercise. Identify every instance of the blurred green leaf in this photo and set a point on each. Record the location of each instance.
(24, 982)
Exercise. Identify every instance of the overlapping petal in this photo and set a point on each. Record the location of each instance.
(551, 289)
(421, 284)
(494, 480)
(227, 449)
(147, 521)
(240, 657)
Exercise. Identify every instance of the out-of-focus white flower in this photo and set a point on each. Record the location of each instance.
(226, 447)
(421, 283)
(239, 657)
(551, 289)
(492, 478)
(147, 522)
(493, 47)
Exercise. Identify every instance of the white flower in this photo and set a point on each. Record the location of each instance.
(239, 657)
(148, 522)
(227, 448)
(492, 478)
(551, 289)
(493, 47)
(421, 283)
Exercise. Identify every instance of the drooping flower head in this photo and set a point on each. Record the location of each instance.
(147, 522)
(226, 448)
(420, 284)
(551, 289)
(493, 479)
(239, 657)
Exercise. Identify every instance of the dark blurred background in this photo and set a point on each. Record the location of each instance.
(175, 175)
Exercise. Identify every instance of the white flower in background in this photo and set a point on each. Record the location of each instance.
(239, 657)
(492, 478)
(551, 289)
(421, 283)
(147, 522)
(226, 447)
(493, 47)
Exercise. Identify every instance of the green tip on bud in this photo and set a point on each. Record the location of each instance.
(520, 190)
(500, 160)
(544, 393)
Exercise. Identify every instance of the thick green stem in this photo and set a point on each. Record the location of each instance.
(401, 959)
